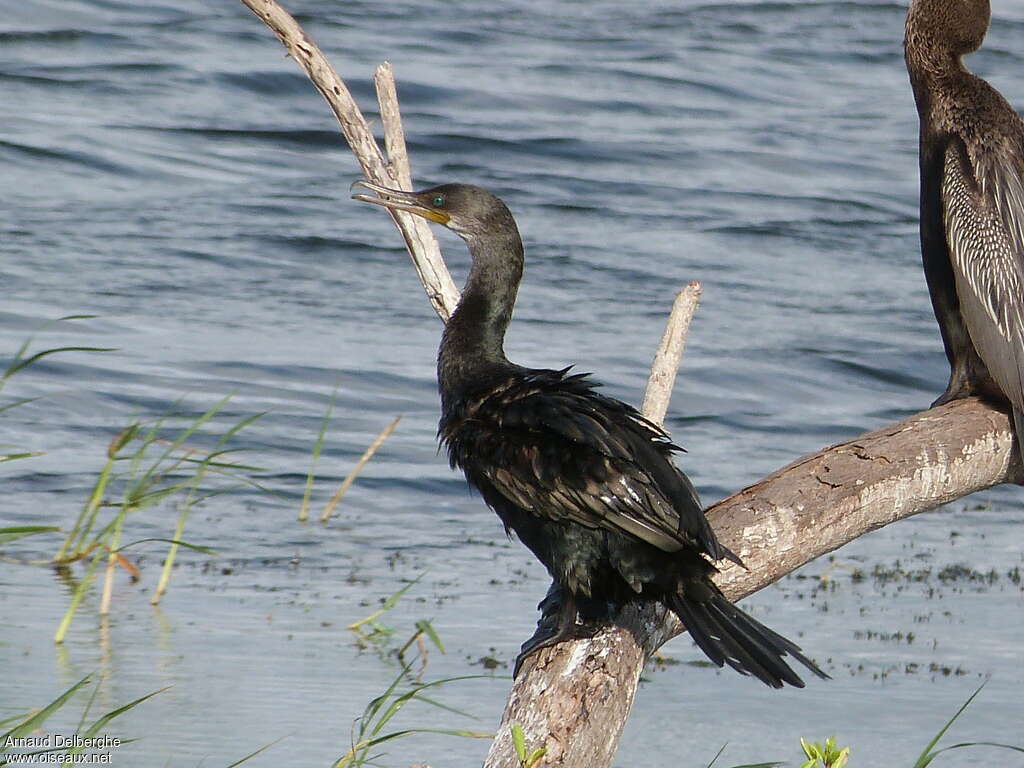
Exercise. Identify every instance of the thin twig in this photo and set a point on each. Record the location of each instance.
(670, 353)
(367, 455)
(394, 133)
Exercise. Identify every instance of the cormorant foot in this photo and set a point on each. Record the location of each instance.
(558, 622)
(551, 604)
(542, 639)
(547, 625)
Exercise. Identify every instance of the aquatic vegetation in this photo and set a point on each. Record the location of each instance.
(368, 454)
(824, 755)
(828, 754)
(26, 730)
(930, 753)
(15, 532)
(371, 633)
(317, 447)
(147, 466)
(527, 759)
(368, 730)
(23, 359)
(32, 722)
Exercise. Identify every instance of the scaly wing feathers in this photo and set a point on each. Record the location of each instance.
(559, 450)
(983, 214)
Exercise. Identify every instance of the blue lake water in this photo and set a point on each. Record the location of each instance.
(168, 171)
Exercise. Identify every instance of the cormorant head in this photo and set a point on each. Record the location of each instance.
(471, 212)
(955, 26)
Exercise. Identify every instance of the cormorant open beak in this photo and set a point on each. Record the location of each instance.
(399, 201)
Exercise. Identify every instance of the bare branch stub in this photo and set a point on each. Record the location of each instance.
(426, 254)
(670, 352)
(394, 133)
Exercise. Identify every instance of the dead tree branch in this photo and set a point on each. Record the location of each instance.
(574, 698)
(670, 352)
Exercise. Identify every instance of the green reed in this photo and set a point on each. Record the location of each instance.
(149, 465)
(22, 359)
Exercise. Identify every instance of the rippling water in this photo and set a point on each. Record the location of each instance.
(167, 170)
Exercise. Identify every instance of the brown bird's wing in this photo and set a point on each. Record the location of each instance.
(983, 214)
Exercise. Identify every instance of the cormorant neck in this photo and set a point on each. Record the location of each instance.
(473, 342)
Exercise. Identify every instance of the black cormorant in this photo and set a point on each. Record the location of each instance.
(585, 481)
(972, 203)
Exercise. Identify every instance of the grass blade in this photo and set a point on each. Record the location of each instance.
(95, 728)
(35, 721)
(388, 604)
(76, 538)
(76, 599)
(253, 754)
(367, 455)
(927, 755)
(21, 455)
(176, 542)
(15, 532)
(1010, 747)
(16, 403)
(445, 707)
(427, 629)
(23, 362)
(317, 446)
(179, 531)
(443, 731)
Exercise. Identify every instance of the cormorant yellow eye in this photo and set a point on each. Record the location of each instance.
(438, 201)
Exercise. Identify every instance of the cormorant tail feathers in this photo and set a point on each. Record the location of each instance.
(727, 635)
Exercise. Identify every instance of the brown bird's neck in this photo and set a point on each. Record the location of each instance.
(938, 34)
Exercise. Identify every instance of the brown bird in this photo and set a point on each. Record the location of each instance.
(972, 203)
(584, 480)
